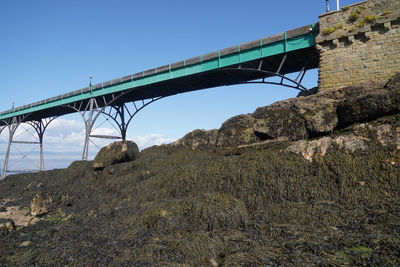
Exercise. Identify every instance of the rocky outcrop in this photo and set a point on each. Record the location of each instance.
(237, 130)
(279, 121)
(307, 117)
(198, 138)
(117, 152)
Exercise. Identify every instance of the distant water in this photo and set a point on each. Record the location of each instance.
(16, 165)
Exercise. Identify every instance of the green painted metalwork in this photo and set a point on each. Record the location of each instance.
(240, 56)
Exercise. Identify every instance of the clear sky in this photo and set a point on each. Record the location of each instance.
(50, 47)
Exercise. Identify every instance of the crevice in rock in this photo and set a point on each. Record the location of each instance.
(263, 136)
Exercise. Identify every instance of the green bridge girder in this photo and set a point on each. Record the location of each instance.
(192, 74)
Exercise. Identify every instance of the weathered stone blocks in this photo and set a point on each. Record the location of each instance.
(364, 44)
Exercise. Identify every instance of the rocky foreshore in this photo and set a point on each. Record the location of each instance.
(312, 180)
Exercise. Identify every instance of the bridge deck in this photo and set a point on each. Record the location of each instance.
(196, 73)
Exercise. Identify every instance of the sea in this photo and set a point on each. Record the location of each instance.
(32, 163)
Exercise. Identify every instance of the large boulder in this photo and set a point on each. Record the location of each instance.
(237, 131)
(368, 106)
(319, 114)
(198, 138)
(117, 152)
(279, 120)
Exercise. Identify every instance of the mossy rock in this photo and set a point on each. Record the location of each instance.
(198, 138)
(270, 123)
(237, 131)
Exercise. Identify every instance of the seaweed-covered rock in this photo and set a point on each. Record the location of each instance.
(117, 152)
(304, 117)
(237, 131)
(279, 120)
(319, 114)
(369, 106)
(198, 138)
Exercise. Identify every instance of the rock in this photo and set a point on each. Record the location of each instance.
(305, 117)
(368, 107)
(8, 225)
(237, 131)
(319, 114)
(38, 207)
(308, 149)
(318, 147)
(386, 130)
(311, 91)
(117, 152)
(25, 244)
(394, 82)
(349, 142)
(198, 138)
(279, 120)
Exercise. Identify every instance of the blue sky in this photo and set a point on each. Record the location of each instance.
(48, 48)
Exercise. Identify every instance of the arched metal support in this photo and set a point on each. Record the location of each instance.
(40, 127)
(123, 114)
(92, 110)
(2, 128)
(265, 74)
(296, 84)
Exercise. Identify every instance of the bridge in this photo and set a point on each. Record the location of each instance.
(252, 62)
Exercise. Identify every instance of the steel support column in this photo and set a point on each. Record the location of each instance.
(89, 122)
(12, 126)
(40, 127)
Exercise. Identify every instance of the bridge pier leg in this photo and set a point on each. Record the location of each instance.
(12, 128)
(40, 127)
(88, 127)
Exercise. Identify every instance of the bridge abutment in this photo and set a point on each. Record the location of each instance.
(359, 43)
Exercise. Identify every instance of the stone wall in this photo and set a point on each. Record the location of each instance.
(359, 43)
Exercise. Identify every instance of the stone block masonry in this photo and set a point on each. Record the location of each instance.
(358, 44)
